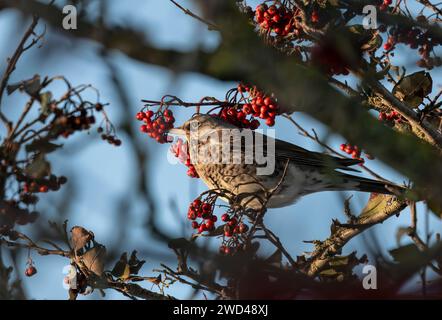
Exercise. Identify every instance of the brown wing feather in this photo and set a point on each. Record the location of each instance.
(301, 156)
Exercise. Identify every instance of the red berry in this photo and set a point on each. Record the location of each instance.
(240, 115)
(225, 217)
(387, 46)
(206, 207)
(270, 122)
(382, 116)
(197, 202)
(30, 271)
(231, 112)
(195, 225)
(273, 106)
(140, 116)
(243, 228)
(149, 113)
(210, 224)
(191, 215)
(272, 10)
(315, 16)
(254, 124)
(355, 154)
(43, 189)
(143, 128)
(202, 228)
(247, 108)
(232, 222)
(342, 146)
(261, 7)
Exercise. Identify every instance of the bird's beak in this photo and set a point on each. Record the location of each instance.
(178, 131)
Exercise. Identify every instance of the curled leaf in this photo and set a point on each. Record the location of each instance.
(134, 263)
(382, 204)
(179, 243)
(121, 268)
(80, 237)
(41, 145)
(406, 254)
(413, 88)
(38, 168)
(94, 259)
(30, 86)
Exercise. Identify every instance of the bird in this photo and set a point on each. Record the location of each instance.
(297, 171)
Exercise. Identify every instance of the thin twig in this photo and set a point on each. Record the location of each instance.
(210, 25)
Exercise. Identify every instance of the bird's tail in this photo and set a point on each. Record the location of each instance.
(351, 182)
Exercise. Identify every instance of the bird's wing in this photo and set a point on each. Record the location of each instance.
(301, 156)
(304, 157)
(288, 151)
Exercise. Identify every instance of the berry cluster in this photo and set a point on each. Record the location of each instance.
(156, 124)
(111, 139)
(415, 38)
(329, 60)
(232, 226)
(260, 105)
(73, 123)
(277, 19)
(201, 213)
(238, 118)
(204, 211)
(390, 116)
(233, 230)
(42, 185)
(11, 214)
(181, 151)
(352, 150)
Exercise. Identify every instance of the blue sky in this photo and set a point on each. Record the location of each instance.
(102, 173)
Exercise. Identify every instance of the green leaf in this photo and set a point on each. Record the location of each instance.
(179, 243)
(368, 40)
(413, 88)
(134, 263)
(121, 268)
(406, 254)
(42, 145)
(30, 86)
(38, 168)
(382, 203)
(45, 102)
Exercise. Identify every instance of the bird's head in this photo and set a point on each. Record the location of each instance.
(200, 125)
